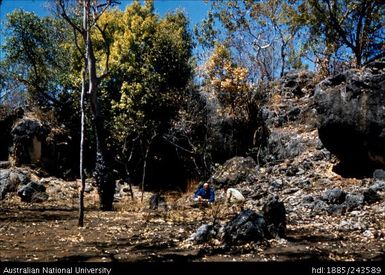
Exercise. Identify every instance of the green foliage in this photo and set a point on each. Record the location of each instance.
(150, 68)
(227, 82)
(35, 59)
(149, 64)
(343, 30)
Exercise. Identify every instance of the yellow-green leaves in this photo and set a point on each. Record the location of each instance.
(227, 82)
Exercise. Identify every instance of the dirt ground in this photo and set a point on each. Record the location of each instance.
(48, 232)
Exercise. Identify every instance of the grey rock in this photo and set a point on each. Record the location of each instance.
(297, 83)
(351, 115)
(247, 226)
(28, 191)
(334, 196)
(276, 184)
(308, 199)
(293, 113)
(379, 174)
(234, 171)
(23, 133)
(319, 206)
(282, 146)
(378, 186)
(336, 209)
(5, 184)
(371, 196)
(354, 201)
(203, 234)
(10, 179)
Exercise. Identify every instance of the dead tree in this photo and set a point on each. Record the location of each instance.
(91, 12)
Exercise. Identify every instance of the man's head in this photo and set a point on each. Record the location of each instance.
(206, 185)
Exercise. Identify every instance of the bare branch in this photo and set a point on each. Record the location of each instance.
(107, 49)
(178, 146)
(76, 42)
(64, 14)
(97, 14)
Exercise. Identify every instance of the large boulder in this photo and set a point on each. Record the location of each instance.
(247, 226)
(8, 116)
(350, 108)
(28, 138)
(32, 192)
(10, 179)
(37, 142)
(234, 171)
(5, 184)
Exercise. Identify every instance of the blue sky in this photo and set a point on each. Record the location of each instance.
(195, 9)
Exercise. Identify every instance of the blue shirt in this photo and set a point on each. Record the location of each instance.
(205, 194)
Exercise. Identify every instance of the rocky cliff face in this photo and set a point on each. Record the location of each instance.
(7, 119)
(350, 108)
(38, 143)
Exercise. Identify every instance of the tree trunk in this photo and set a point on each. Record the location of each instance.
(283, 61)
(144, 171)
(103, 176)
(82, 122)
(82, 176)
(358, 57)
(148, 146)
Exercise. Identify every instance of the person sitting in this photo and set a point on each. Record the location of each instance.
(204, 196)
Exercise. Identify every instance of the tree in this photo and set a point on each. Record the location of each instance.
(230, 97)
(344, 29)
(258, 33)
(91, 12)
(34, 58)
(150, 70)
(228, 83)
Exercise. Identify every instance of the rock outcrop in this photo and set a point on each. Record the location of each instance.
(18, 180)
(350, 108)
(8, 117)
(38, 143)
(235, 171)
(337, 201)
(29, 136)
(10, 179)
(249, 226)
(297, 83)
